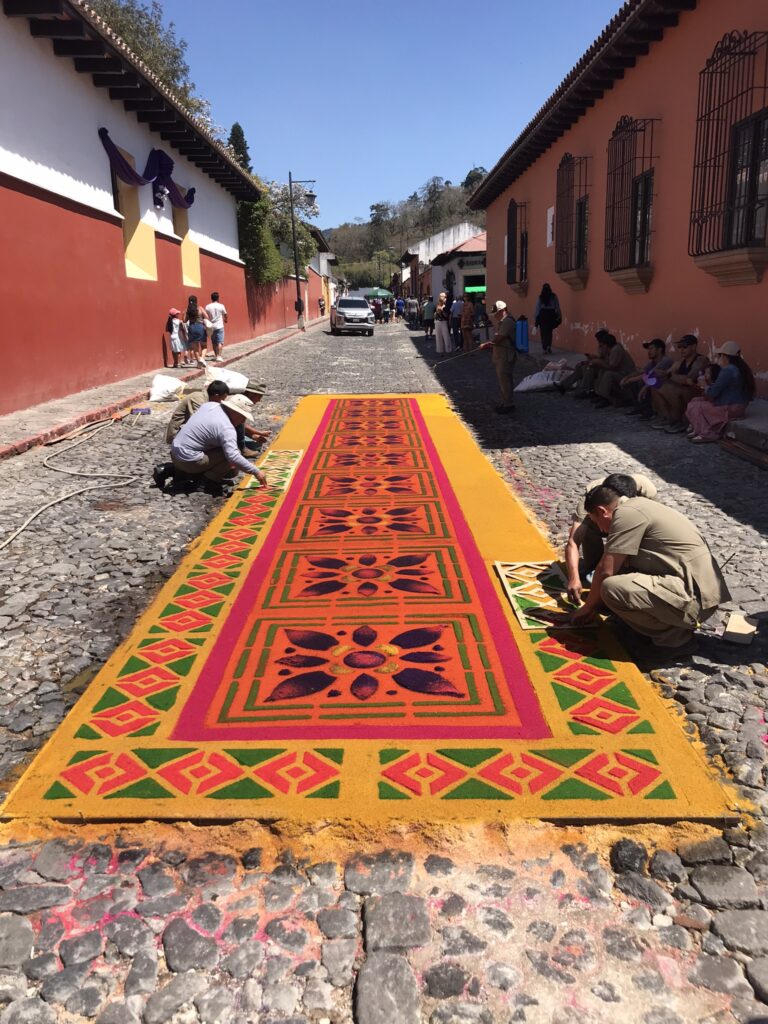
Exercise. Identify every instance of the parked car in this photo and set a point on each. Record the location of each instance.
(351, 314)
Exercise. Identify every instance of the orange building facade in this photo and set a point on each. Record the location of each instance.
(640, 190)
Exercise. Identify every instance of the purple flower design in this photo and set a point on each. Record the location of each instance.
(370, 485)
(367, 574)
(331, 661)
(368, 520)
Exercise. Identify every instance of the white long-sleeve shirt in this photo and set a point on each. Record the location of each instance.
(209, 428)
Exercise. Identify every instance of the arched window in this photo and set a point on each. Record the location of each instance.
(729, 201)
(517, 243)
(571, 215)
(629, 195)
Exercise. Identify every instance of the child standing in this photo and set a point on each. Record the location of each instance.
(177, 334)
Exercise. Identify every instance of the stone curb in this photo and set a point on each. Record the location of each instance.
(105, 411)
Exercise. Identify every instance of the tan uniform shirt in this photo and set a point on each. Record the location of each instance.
(182, 411)
(662, 543)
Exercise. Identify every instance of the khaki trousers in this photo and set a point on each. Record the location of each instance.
(504, 362)
(213, 466)
(634, 597)
(671, 399)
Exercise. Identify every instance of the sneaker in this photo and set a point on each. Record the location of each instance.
(601, 403)
(219, 359)
(202, 363)
(675, 428)
(659, 425)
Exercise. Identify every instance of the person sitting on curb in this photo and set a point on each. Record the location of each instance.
(582, 378)
(610, 371)
(726, 398)
(584, 547)
(678, 387)
(638, 387)
(504, 353)
(657, 573)
(207, 443)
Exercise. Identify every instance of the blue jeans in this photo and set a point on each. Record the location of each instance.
(217, 338)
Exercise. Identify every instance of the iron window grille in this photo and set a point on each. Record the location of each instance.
(729, 200)
(571, 214)
(629, 194)
(517, 242)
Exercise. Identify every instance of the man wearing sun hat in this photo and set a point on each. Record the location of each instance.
(504, 354)
(207, 443)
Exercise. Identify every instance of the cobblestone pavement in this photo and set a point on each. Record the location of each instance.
(189, 924)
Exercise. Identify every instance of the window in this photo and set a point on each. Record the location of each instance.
(730, 174)
(629, 195)
(748, 203)
(517, 243)
(138, 237)
(571, 215)
(190, 252)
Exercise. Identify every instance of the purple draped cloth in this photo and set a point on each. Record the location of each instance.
(157, 173)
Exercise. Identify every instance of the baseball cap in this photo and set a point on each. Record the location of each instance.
(174, 312)
(728, 348)
(687, 340)
(239, 404)
(255, 386)
(498, 305)
(655, 343)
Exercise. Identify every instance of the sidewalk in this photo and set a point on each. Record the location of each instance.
(27, 428)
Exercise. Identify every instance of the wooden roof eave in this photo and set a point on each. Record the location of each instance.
(630, 34)
(78, 34)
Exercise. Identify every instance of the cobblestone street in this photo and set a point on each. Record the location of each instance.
(248, 923)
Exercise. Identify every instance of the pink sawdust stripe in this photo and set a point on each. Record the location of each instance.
(532, 723)
(527, 705)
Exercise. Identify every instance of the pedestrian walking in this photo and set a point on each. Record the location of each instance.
(547, 316)
(457, 306)
(468, 325)
(443, 342)
(428, 317)
(218, 316)
(177, 336)
(194, 321)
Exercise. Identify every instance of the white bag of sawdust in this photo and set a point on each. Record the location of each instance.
(236, 382)
(538, 381)
(165, 388)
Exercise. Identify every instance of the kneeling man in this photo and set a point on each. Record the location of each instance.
(207, 443)
(657, 573)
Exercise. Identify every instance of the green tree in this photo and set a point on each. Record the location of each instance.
(280, 222)
(257, 246)
(473, 179)
(239, 147)
(142, 27)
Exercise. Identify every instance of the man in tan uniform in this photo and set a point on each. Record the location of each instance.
(584, 547)
(657, 573)
(504, 353)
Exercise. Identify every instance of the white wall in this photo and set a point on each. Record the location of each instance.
(49, 121)
(444, 241)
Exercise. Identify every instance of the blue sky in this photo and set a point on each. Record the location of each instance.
(371, 104)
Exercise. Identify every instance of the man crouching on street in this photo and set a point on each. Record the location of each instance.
(657, 573)
(207, 443)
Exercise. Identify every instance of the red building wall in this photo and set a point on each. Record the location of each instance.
(681, 297)
(78, 321)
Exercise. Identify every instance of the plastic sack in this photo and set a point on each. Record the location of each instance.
(236, 382)
(165, 389)
(539, 381)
